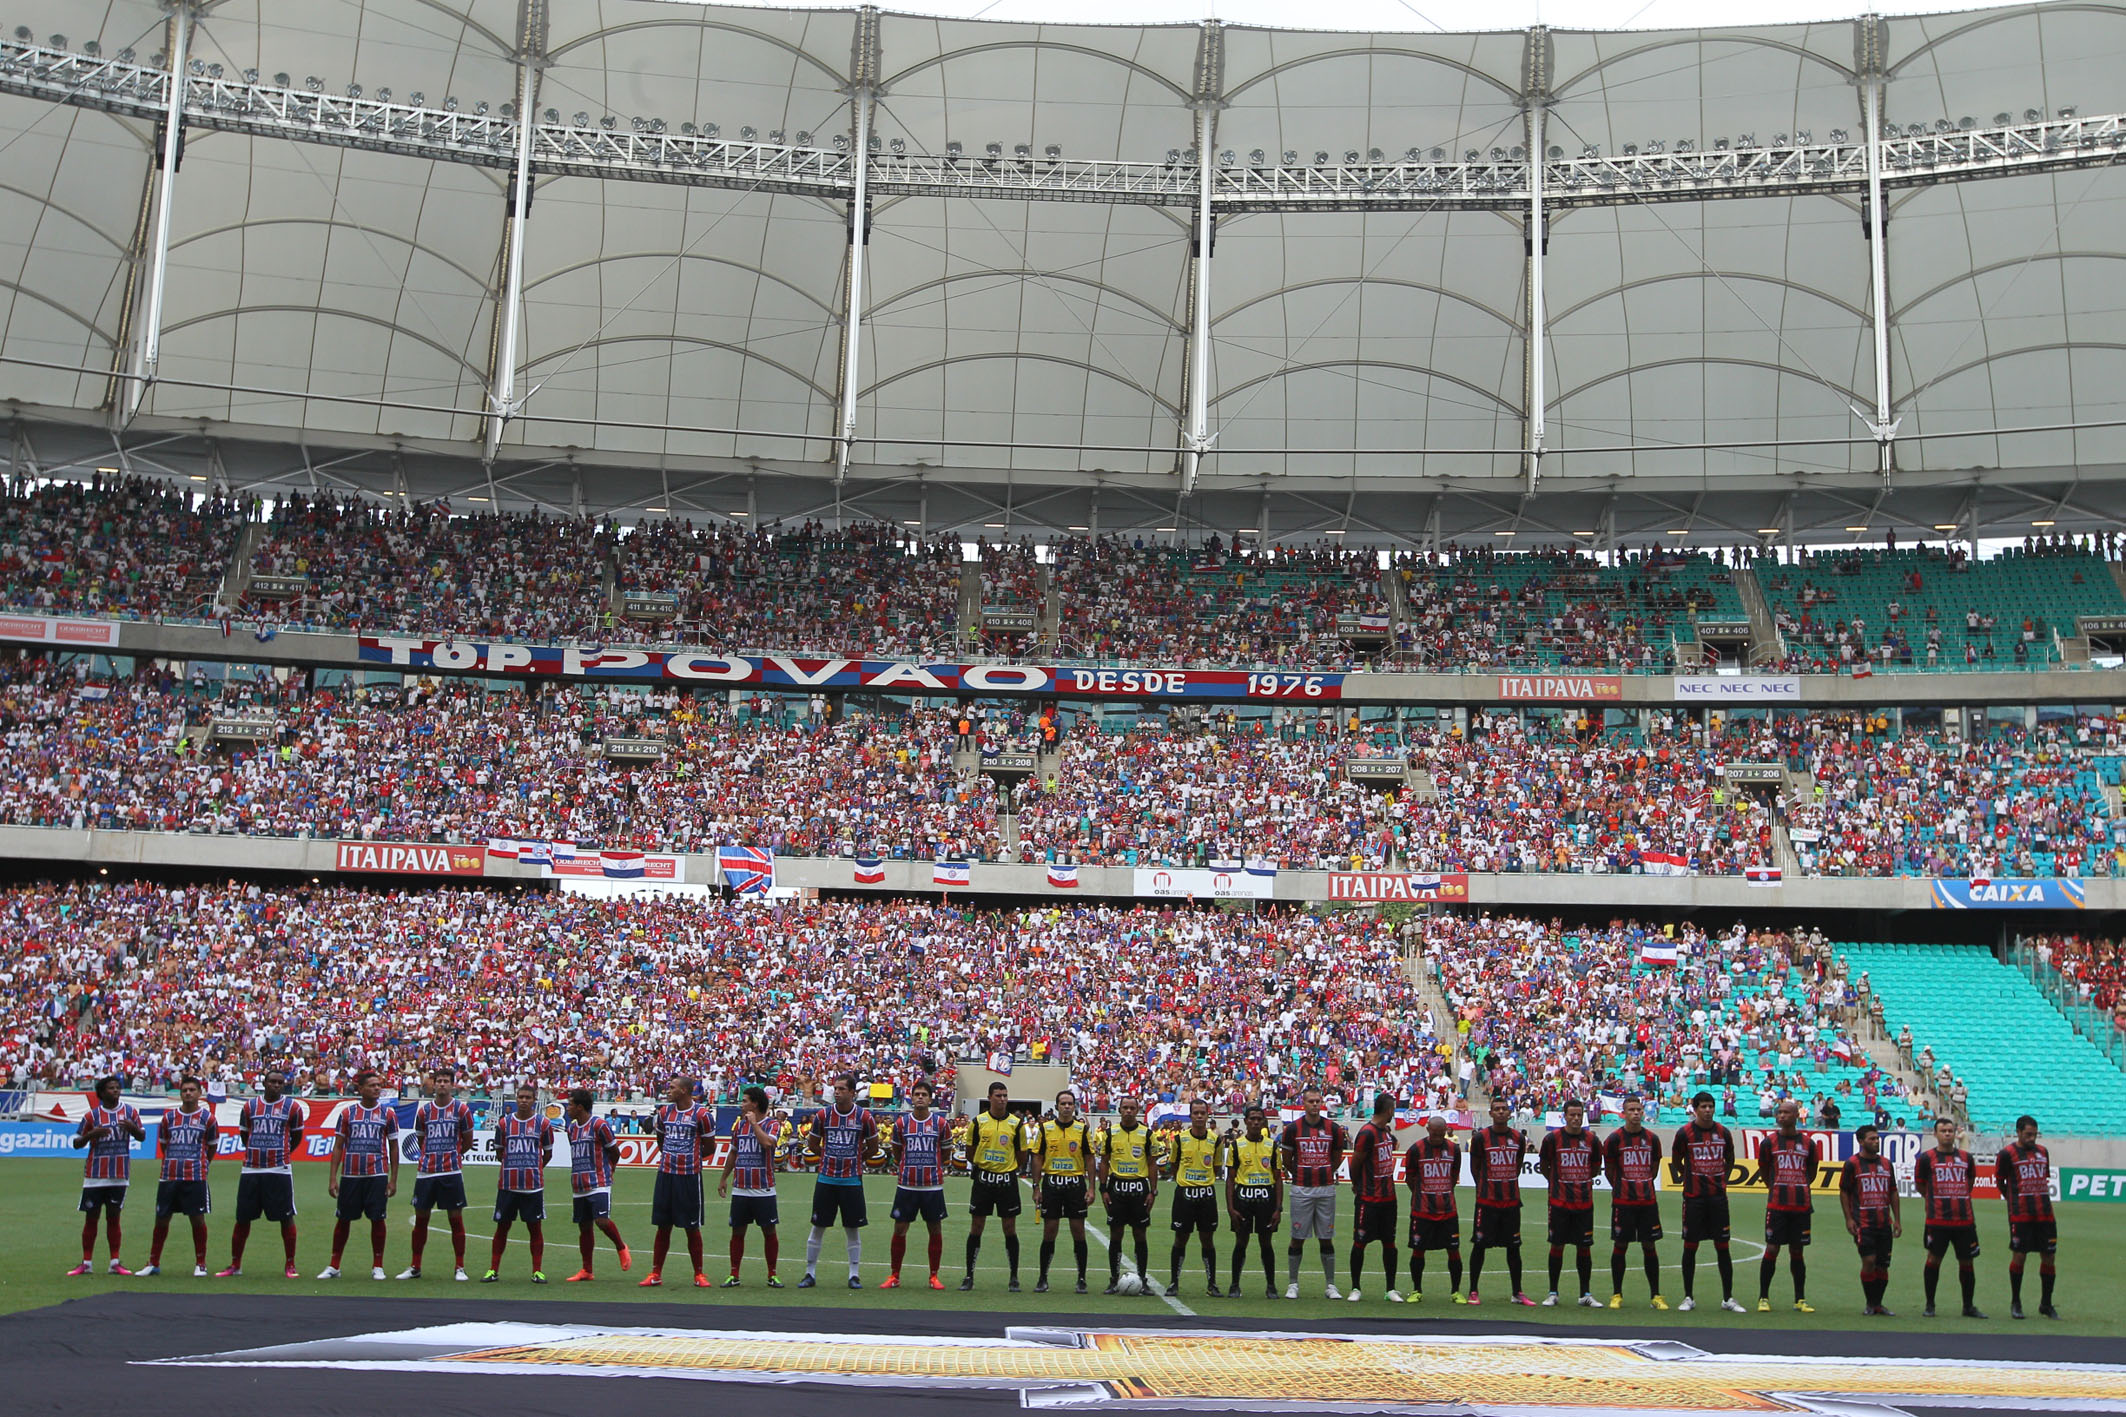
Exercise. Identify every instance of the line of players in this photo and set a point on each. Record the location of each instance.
(1124, 1164)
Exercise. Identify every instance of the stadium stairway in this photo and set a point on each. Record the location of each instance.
(1999, 1034)
(1764, 631)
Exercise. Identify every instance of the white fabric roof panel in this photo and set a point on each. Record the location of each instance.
(1379, 347)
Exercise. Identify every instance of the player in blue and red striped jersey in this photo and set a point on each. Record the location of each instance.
(364, 1172)
(442, 1133)
(1867, 1192)
(1570, 1159)
(1943, 1177)
(1787, 1162)
(185, 1140)
(919, 1160)
(593, 1154)
(2024, 1170)
(844, 1137)
(1632, 1160)
(749, 1179)
(108, 1130)
(271, 1127)
(684, 1136)
(524, 1144)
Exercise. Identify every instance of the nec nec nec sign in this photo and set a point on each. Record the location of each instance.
(1740, 689)
(778, 671)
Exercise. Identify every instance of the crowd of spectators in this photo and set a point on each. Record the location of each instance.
(867, 590)
(424, 570)
(2094, 968)
(114, 545)
(1549, 1010)
(147, 981)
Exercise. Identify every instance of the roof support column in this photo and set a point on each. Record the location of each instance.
(502, 401)
(1535, 97)
(1869, 41)
(149, 353)
(1210, 80)
(863, 96)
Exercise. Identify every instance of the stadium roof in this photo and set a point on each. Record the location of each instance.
(1028, 324)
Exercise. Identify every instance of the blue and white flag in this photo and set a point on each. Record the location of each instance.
(749, 870)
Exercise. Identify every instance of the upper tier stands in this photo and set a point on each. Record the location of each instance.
(1997, 1034)
(1483, 609)
(113, 546)
(1935, 609)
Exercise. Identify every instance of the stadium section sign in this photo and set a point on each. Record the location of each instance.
(1177, 882)
(1982, 893)
(779, 671)
(1562, 688)
(1747, 689)
(44, 630)
(1397, 885)
(406, 858)
(1140, 1368)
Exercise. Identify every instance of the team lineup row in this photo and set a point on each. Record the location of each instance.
(1070, 1161)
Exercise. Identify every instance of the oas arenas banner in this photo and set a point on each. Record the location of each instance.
(777, 671)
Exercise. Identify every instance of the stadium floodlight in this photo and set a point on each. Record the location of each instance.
(993, 149)
(1410, 155)
(1022, 150)
(1498, 154)
(775, 135)
(580, 119)
(313, 83)
(1840, 135)
(1228, 158)
(686, 128)
(2002, 120)
(479, 109)
(746, 131)
(1746, 140)
(1472, 156)
(1321, 157)
(1374, 155)
(125, 56)
(1947, 526)
(1719, 145)
(656, 509)
(1592, 150)
(25, 33)
(450, 105)
(1856, 528)
(1055, 150)
(1804, 136)
(899, 146)
(91, 48)
(804, 139)
(2033, 115)
(609, 122)
(2042, 521)
(952, 149)
(1679, 533)
(251, 77)
(2067, 112)
(1518, 152)
(1291, 157)
(416, 98)
(1631, 150)
(1767, 531)
(841, 142)
(197, 66)
(1555, 152)
(1439, 154)
(354, 90)
(992, 526)
(1350, 157)
(1966, 123)
(710, 130)
(553, 115)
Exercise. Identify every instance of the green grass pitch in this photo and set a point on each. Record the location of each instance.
(43, 1243)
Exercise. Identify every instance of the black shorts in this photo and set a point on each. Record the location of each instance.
(838, 1205)
(447, 1191)
(1572, 1227)
(1129, 1201)
(1634, 1224)
(1063, 1198)
(592, 1207)
(181, 1198)
(1440, 1233)
(1255, 1211)
(1940, 1239)
(1195, 1208)
(1875, 1240)
(2033, 1237)
(95, 1198)
(675, 1201)
(995, 1193)
(1377, 1220)
(926, 1206)
(527, 1206)
(1786, 1227)
(267, 1193)
(755, 1210)
(1705, 1219)
(1496, 1227)
(360, 1196)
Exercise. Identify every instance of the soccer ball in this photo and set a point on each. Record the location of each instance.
(1130, 1284)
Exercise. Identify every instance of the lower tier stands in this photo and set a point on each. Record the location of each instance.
(1991, 1029)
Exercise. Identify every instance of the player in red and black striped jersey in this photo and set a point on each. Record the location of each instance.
(1867, 1191)
(524, 1145)
(1432, 1168)
(1787, 1163)
(1943, 1177)
(2024, 1170)
(1632, 1160)
(1312, 1147)
(1495, 1157)
(1373, 1156)
(1701, 1156)
(1570, 1159)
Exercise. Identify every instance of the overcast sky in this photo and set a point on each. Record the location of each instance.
(1392, 15)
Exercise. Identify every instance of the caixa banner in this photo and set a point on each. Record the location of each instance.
(1983, 893)
(777, 671)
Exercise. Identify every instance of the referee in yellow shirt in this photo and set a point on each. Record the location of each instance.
(1193, 1163)
(1254, 1197)
(1129, 1183)
(993, 1157)
(1063, 1155)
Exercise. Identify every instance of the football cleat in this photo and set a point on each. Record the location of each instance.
(650, 1281)
(891, 1281)
(1660, 1303)
(1689, 1303)
(80, 1269)
(330, 1271)
(377, 1272)
(410, 1272)
(1588, 1301)
(579, 1277)
(936, 1283)
(1616, 1301)
(1394, 1296)
(232, 1272)
(1550, 1300)
(1803, 1306)
(1291, 1291)
(148, 1271)
(1733, 1306)
(1329, 1292)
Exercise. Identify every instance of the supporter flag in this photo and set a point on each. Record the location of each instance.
(1863, 670)
(1842, 1049)
(1000, 1063)
(1665, 863)
(503, 848)
(622, 865)
(1763, 876)
(869, 871)
(1656, 949)
(1063, 878)
(1979, 883)
(746, 869)
(535, 853)
(564, 852)
(1261, 867)
(951, 873)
